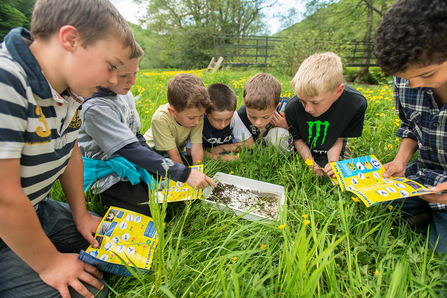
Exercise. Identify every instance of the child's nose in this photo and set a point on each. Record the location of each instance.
(113, 79)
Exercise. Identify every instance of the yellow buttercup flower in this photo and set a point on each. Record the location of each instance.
(234, 260)
(390, 207)
(309, 162)
(305, 216)
(231, 173)
(377, 272)
(281, 227)
(264, 246)
(355, 199)
(307, 222)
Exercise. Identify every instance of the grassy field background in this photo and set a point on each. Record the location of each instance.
(325, 244)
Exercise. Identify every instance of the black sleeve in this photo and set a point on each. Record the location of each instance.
(142, 140)
(291, 117)
(148, 159)
(355, 127)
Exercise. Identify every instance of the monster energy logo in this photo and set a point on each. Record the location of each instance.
(318, 124)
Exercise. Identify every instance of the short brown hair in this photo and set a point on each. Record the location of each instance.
(138, 52)
(187, 91)
(319, 73)
(94, 19)
(262, 91)
(222, 97)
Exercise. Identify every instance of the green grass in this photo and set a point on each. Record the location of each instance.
(347, 250)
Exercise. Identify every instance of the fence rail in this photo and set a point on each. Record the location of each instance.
(257, 50)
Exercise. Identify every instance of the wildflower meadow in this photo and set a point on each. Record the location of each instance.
(326, 243)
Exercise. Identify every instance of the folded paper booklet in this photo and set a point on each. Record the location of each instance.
(363, 177)
(174, 191)
(125, 238)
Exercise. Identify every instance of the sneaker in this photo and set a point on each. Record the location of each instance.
(419, 220)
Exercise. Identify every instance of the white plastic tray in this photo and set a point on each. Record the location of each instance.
(245, 183)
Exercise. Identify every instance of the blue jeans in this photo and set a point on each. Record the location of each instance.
(437, 230)
(17, 279)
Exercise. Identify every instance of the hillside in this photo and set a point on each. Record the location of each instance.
(344, 20)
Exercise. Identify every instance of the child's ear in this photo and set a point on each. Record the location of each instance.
(339, 90)
(171, 111)
(69, 37)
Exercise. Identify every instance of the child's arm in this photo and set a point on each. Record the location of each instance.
(305, 154)
(175, 155)
(72, 184)
(406, 150)
(197, 153)
(20, 229)
(235, 147)
(333, 155)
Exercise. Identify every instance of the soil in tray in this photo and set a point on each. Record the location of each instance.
(244, 199)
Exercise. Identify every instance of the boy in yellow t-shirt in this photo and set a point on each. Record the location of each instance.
(180, 120)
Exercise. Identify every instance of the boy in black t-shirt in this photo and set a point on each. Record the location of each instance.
(324, 112)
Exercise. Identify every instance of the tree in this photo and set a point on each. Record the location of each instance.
(185, 28)
(15, 14)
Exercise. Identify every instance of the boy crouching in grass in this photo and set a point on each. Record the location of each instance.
(411, 43)
(180, 120)
(74, 46)
(324, 111)
(114, 149)
(222, 132)
(261, 99)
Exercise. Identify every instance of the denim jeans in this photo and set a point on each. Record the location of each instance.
(17, 279)
(437, 230)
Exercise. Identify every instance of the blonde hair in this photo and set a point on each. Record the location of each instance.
(319, 73)
(261, 92)
(94, 19)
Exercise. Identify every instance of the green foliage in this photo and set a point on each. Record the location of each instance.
(293, 50)
(15, 14)
(182, 31)
(343, 20)
(375, 76)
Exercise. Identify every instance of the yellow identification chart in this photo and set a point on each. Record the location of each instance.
(174, 191)
(123, 234)
(363, 177)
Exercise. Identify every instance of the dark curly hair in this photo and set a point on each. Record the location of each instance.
(412, 32)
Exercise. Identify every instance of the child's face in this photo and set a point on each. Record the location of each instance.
(260, 118)
(126, 77)
(432, 76)
(318, 105)
(95, 65)
(188, 118)
(220, 120)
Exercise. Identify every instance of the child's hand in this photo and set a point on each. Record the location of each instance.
(317, 170)
(395, 168)
(199, 180)
(67, 270)
(87, 226)
(279, 120)
(438, 197)
(328, 169)
(227, 157)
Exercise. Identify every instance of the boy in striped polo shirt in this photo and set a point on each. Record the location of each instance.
(74, 46)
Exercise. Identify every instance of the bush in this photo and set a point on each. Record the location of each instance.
(294, 50)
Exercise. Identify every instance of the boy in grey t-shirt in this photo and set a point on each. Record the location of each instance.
(110, 138)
